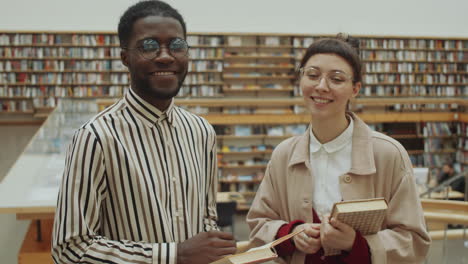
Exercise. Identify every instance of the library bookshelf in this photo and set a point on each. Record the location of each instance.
(414, 89)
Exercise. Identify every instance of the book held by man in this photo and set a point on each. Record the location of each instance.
(256, 255)
(365, 216)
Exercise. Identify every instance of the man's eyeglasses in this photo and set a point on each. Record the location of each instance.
(150, 48)
(334, 79)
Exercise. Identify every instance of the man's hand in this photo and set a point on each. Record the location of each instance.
(205, 248)
(338, 235)
(309, 240)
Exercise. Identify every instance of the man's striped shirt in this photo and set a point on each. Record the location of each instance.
(136, 182)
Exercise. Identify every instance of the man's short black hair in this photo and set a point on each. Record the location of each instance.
(141, 10)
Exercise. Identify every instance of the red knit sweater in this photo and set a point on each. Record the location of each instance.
(359, 254)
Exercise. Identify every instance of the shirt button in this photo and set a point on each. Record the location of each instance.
(173, 179)
(347, 179)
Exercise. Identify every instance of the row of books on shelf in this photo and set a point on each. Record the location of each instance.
(269, 130)
(250, 148)
(61, 65)
(63, 38)
(446, 44)
(233, 110)
(61, 52)
(62, 91)
(243, 186)
(462, 157)
(234, 40)
(200, 91)
(373, 74)
(206, 53)
(259, 74)
(415, 67)
(463, 144)
(431, 160)
(427, 55)
(56, 76)
(299, 109)
(417, 90)
(435, 144)
(254, 40)
(65, 78)
(235, 164)
(51, 88)
(205, 65)
(197, 78)
(439, 129)
(205, 40)
(462, 129)
(279, 54)
(268, 86)
(416, 78)
(26, 106)
(16, 106)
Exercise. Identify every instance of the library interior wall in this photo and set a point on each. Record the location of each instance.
(365, 17)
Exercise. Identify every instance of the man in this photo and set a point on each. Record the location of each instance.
(140, 178)
(448, 171)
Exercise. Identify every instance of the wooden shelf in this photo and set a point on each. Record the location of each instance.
(60, 45)
(207, 59)
(95, 71)
(208, 102)
(257, 57)
(415, 61)
(272, 119)
(17, 98)
(227, 137)
(67, 85)
(244, 119)
(384, 101)
(396, 136)
(244, 77)
(245, 152)
(255, 90)
(242, 166)
(203, 84)
(238, 181)
(408, 117)
(22, 122)
(413, 72)
(290, 101)
(402, 48)
(259, 47)
(412, 84)
(30, 112)
(258, 67)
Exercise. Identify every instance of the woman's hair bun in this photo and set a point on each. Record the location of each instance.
(352, 41)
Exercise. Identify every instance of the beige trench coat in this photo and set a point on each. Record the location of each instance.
(380, 167)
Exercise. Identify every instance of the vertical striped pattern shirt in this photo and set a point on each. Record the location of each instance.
(136, 182)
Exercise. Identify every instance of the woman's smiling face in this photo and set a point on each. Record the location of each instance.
(327, 85)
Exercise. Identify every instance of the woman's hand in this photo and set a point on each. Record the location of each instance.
(309, 240)
(335, 234)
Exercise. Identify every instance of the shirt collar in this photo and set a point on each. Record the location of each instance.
(362, 157)
(336, 144)
(146, 112)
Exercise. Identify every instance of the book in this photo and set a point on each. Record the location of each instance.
(364, 215)
(258, 254)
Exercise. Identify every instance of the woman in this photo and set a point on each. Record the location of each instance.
(338, 158)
